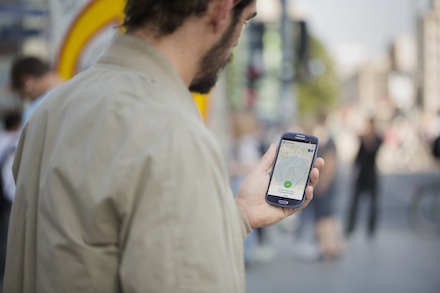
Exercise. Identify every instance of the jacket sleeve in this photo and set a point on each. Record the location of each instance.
(245, 226)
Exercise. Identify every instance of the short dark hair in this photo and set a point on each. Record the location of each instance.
(26, 65)
(165, 16)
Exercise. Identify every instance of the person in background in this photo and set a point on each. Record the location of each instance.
(326, 241)
(327, 225)
(121, 187)
(367, 180)
(8, 141)
(247, 149)
(32, 79)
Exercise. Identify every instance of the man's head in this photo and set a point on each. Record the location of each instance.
(166, 16)
(219, 55)
(163, 18)
(31, 77)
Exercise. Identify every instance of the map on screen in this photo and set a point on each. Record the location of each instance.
(291, 170)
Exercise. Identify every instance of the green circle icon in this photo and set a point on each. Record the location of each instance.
(287, 184)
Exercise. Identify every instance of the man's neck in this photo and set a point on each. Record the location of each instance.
(184, 49)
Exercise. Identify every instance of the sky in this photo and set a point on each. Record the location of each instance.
(372, 23)
(354, 31)
(359, 30)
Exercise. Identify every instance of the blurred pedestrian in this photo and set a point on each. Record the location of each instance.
(247, 146)
(327, 224)
(33, 79)
(327, 239)
(247, 149)
(8, 141)
(367, 180)
(121, 187)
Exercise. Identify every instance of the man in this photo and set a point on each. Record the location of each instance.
(32, 78)
(367, 178)
(120, 185)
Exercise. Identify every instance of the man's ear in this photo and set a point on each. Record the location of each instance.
(220, 12)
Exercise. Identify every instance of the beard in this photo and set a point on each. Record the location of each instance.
(213, 62)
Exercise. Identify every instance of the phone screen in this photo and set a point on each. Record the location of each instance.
(291, 170)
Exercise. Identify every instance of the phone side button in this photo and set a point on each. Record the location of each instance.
(283, 201)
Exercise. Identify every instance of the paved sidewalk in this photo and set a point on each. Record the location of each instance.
(397, 260)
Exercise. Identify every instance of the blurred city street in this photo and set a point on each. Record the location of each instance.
(359, 75)
(396, 260)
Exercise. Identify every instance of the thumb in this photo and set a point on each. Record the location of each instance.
(267, 160)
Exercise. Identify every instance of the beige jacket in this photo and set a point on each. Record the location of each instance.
(122, 188)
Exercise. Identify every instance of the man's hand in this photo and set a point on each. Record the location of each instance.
(251, 195)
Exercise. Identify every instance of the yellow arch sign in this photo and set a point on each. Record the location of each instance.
(92, 19)
(95, 16)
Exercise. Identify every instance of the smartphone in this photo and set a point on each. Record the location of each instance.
(290, 173)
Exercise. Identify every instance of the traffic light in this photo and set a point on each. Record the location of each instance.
(255, 66)
(302, 51)
(302, 42)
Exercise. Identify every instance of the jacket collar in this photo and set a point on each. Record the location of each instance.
(131, 52)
